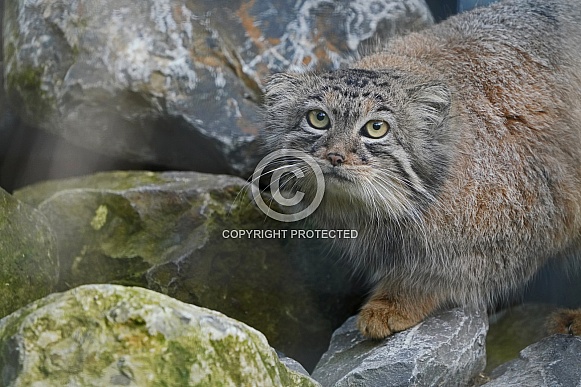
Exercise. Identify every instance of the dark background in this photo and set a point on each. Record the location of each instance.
(441, 9)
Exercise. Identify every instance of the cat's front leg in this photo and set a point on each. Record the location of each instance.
(384, 314)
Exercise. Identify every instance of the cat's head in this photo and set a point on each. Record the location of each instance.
(381, 138)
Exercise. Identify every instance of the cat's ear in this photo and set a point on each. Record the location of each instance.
(431, 101)
(280, 85)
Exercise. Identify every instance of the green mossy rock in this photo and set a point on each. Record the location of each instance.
(28, 259)
(110, 335)
(164, 231)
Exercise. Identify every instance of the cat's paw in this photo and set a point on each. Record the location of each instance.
(566, 321)
(381, 318)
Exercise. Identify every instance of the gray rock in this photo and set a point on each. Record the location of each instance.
(554, 361)
(29, 265)
(446, 349)
(164, 231)
(292, 364)
(107, 335)
(177, 83)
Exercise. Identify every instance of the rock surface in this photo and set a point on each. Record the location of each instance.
(107, 335)
(28, 256)
(164, 231)
(177, 83)
(554, 361)
(446, 349)
(292, 364)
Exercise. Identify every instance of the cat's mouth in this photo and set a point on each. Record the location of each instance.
(339, 174)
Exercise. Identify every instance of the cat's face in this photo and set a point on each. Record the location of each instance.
(380, 137)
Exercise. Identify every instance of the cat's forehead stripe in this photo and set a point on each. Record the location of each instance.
(361, 78)
(332, 95)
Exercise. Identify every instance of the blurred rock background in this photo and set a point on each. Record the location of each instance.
(32, 151)
(175, 85)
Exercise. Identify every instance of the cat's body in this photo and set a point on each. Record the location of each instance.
(476, 183)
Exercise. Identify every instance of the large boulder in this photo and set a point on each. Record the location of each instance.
(107, 335)
(177, 83)
(166, 232)
(447, 349)
(28, 258)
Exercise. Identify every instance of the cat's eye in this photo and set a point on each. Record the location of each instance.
(375, 129)
(318, 119)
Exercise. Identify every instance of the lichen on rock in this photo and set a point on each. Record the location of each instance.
(164, 231)
(98, 335)
(29, 265)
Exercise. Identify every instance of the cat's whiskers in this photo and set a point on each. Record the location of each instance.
(280, 164)
(383, 178)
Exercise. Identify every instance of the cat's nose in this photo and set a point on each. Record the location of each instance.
(335, 158)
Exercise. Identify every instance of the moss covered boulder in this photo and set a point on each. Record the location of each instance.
(169, 232)
(110, 335)
(28, 259)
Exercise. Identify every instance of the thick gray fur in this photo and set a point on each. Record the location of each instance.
(478, 182)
